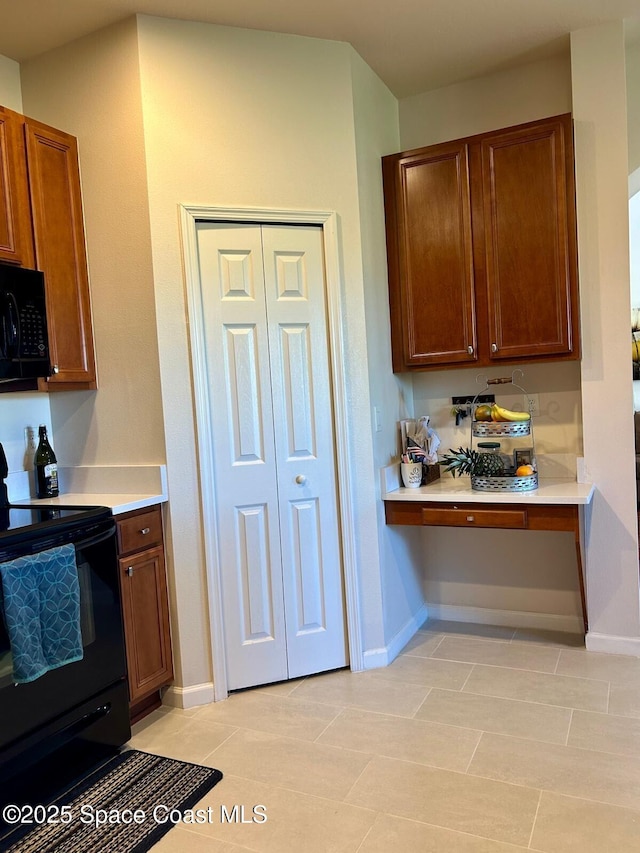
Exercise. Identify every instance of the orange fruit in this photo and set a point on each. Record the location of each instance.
(524, 471)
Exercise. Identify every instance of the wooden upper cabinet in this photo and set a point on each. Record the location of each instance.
(481, 249)
(433, 281)
(527, 188)
(16, 236)
(56, 207)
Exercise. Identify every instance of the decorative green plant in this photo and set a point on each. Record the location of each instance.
(464, 460)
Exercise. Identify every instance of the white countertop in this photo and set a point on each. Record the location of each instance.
(116, 503)
(122, 488)
(459, 490)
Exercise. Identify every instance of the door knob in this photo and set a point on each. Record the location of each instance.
(301, 479)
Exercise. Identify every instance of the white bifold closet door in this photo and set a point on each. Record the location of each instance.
(263, 292)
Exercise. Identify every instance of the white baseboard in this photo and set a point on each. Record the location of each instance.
(375, 658)
(510, 618)
(612, 645)
(188, 697)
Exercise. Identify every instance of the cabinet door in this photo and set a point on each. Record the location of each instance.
(16, 237)
(529, 223)
(429, 243)
(146, 622)
(56, 204)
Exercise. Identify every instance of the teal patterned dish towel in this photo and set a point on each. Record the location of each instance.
(40, 600)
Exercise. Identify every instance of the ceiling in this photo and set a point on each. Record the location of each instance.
(413, 45)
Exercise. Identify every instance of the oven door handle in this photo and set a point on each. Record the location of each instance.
(95, 540)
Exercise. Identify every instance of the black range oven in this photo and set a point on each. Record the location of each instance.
(84, 702)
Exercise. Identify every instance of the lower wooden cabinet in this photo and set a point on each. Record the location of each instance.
(145, 606)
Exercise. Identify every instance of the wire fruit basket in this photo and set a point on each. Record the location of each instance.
(506, 482)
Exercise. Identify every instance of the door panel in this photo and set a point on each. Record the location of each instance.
(295, 347)
(307, 569)
(254, 567)
(433, 284)
(305, 451)
(524, 176)
(243, 390)
(232, 283)
(274, 455)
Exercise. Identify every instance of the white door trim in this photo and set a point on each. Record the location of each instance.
(190, 215)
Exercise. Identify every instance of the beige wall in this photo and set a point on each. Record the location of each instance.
(632, 67)
(10, 91)
(122, 423)
(377, 134)
(599, 106)
(497, 100)
(243, 118)
(519, 572)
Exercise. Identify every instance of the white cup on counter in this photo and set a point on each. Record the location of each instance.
(411, 473)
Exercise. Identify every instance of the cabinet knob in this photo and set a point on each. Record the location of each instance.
(471, 518)
(494, 347)
(145, 530)
(301, 479)
(470, 350)
(55, 369)
(130, 571)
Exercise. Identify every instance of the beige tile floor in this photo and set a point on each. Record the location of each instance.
(476, 739)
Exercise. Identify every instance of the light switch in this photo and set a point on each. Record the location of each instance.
(376, 419)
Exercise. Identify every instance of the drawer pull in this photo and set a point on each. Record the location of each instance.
(145, 530)
(130, 571)
(471, 518)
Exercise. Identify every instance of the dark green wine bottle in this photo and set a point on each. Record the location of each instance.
(46, 467)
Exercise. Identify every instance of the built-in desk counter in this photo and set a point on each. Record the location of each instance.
(554, 505)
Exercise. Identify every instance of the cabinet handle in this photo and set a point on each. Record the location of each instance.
(471, 518)
(130, 571)
(55, 369)
(470, 350)
(145, 530)
(494, 347)
(301, 479)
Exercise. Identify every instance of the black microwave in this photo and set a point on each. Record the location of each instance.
(24, 343)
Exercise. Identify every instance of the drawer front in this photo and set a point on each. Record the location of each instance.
(139, 532)
(454, 517)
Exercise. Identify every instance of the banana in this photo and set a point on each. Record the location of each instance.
(506, 415)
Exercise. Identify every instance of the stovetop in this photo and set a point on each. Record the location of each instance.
(17, 519)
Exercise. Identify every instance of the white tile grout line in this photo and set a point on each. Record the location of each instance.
(566, 742)
(482, 734)
(329, 724)
(473, 666)
(369, 831)
(535, 818)
(413, 716)
(346, 796)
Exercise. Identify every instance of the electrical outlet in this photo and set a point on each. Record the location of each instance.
(30, 439)
(29, 447)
